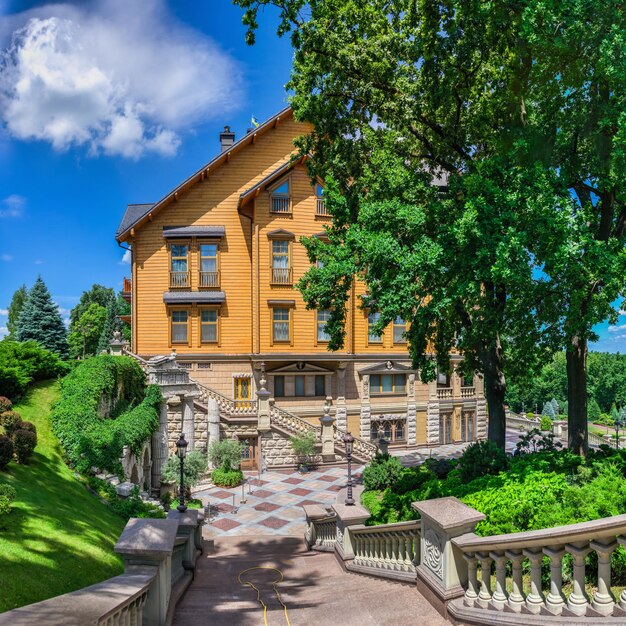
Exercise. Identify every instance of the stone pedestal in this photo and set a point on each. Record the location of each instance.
(189, 525)
(442, 568)
(263, 404)
(347, 516)
(328, 437)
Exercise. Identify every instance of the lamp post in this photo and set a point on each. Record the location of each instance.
(181, 451)
(348, 441)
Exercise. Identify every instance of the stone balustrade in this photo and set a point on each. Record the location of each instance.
(445, 393)
(321, 533)
(159, 562)
(363, 450)
(468, 392)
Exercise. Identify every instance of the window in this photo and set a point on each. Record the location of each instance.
(209, 276)
(320, 201)
(322, 318)
(299, 386)
(179, 275)
(280, 198)
(280, 325)
(208, 325)
(180, 324)
(320, 385)
(372, 337)
(388, 383)
(399, 328)
(392, 430)
(281, 272)
(279, 386)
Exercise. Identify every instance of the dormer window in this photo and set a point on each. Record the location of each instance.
(320, 202)
(281, 202)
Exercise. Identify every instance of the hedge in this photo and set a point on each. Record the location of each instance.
(90, 440)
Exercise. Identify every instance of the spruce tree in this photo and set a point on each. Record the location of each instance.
(548, 410)
(109, 326)
(15, 308)
(41, 321)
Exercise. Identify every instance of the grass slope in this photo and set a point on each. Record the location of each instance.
(58, 537)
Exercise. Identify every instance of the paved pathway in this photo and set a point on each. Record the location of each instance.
(315, 590)
(273, 502)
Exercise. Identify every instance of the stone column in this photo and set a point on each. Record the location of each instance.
(213, 419)
(555, 600)
(432, 415)
(578, 600)
(366, 410)
(328, 435)
(456, 385)
(603, 600)
(151, 542)
(535, 600)
(516, 598)
(160, 450)
(187, 418)
(481, 408)
(341, 409)
(347, 516)
(263, 404)
(442, 569)
(411, 412)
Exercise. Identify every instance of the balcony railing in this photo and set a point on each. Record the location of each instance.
(179, 280)
(209, 280)
(281, 276)
(444, 393)
(280, 204)
(468, 392)
(320, 208)
(127, 288)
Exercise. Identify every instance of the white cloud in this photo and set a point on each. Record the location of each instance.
(617, 329)
(4, 331)
(4, 311)
(6, 257)
(12, 206)
(126, 258)
(122, 78)
(38, 262)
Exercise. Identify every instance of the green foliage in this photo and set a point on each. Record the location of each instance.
(11, 421)
(6, 451)
(383, 471)
(480, 459)
(23, 363)
(5, 405)
(545, 423)
(225, 454)
(195, 466)
(40, 321)
(593, 410)
(132, 506)
(93, 439)
(303, 446)
(226, 478)
(15, 308)
(108, 327)
(7, 495)
(192, 503)
(97, 294)
(85, 334)
(24, 442)
(535, 441)
(548, 411)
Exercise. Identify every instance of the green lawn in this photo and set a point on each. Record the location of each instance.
(58, 537)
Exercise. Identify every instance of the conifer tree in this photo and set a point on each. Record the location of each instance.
(41, 321)
(109, 326)
(15, 308)
(548, 410)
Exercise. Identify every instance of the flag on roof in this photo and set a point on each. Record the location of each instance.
(254, 122)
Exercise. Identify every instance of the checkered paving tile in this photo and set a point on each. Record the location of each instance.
(267, 507)
(293, 481)
(273, 522)
(299, 491)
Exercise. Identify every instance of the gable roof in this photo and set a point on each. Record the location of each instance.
(134, 218)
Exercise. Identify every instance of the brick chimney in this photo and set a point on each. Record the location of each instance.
(227, 138)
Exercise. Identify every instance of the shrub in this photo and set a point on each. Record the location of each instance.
(133, 506)
(27, 426)
(382, 472)
(195, 466)
(225, 454)
(440, 467)
(6, 451)
(545, 423)
(226, 478)
(530, 415)
(105, 406)
(5, 405)
(7, 495)
(24, 442)
(11, 421)
(535, 441)
(480, 459)
(304, 447)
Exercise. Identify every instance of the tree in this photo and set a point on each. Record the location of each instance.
(539, 84)
(41, 321)
(83, 339)
(98, 294)
(548, 410)
(15, 308)
(109, 326)
(555, 406)
(408, 103)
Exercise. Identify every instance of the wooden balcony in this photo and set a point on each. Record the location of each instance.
(127, 289)
(320, 208)
(208, 280)
(180, 280)
(281, 276)
(281, 204)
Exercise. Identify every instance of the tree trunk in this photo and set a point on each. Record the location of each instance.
(495, 390)
(576, 358)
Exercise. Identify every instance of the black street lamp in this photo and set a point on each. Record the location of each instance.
(348, 441)
(181, 451)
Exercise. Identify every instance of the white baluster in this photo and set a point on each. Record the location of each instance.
(484, 595)
(555, 600)
(534, 600)
(578, 600)
(498, 600)
(603, 600)
(516, 597)
(622, 598)
(471, 595)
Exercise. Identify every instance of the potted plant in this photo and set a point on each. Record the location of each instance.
(304, 449)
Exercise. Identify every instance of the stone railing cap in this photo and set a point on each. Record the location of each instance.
(353, 512)
(315, 511)
(448, 512)
(148, 537)
(187, 518)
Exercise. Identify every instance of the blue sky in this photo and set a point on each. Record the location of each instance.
(110, 102)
